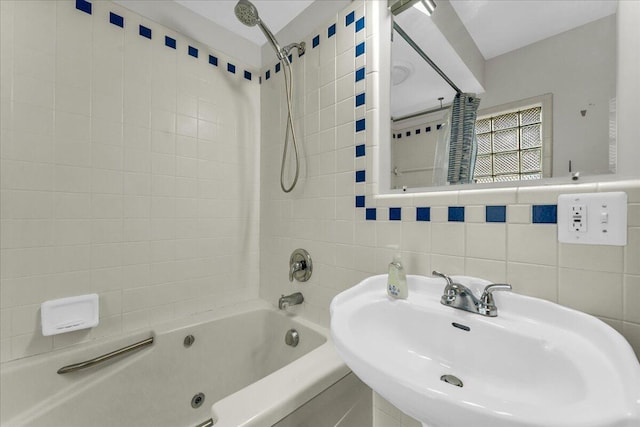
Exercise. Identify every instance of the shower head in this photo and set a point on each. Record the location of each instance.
(247, 13)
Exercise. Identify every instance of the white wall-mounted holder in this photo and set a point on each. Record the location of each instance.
(69, 314)
(593, 218)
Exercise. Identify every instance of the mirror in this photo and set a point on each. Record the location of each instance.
(545, 73)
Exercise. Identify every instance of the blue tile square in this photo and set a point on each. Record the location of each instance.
(213, 60)
(290, 59)
(231, 68)
(348, 20)
(438, 127)
(360, 150)
(360, 176)
(408, 133)
(316, 41)
(247, 75)
(116, 19)
(169, 42)
(360, 49)
(544, 214)
(278, 67)
(496, 214)
(399, 135)
(423, 214)
(83, 6)
(331, 31)
(259, 79)
(418, 131)
(359, 99)
(456, 213)
(359, 201)
(427, 129)
(360, 125)
(360, 74)
(193, 51)
(359, 24)
(267, 75)
(145, 32)
(370, 214)
(395, 214)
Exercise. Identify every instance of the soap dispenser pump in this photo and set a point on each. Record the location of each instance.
(397, 280)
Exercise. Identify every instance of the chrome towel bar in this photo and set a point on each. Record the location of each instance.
(104, 357)
(207, 423)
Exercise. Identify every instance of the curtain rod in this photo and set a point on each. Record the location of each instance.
(424, 56)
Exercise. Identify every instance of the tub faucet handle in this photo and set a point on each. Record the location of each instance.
(300, 266)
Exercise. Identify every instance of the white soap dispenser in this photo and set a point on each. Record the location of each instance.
(397, 281)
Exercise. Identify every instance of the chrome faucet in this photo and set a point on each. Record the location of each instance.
(458, 296)
(293, 299)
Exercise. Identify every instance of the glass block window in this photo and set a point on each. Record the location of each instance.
(509, 146)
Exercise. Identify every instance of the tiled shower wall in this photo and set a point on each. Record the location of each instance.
(504, 235)
(129, 169)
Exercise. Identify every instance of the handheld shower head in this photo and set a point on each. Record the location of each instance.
(247, 13)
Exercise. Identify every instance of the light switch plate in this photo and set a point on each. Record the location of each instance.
(593, 218)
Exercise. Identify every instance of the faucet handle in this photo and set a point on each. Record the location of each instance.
(487, 304)
(444, 276)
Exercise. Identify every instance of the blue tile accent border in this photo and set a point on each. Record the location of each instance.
(247, 75)
(360, 24)
(278, 67)
(348, 20)
(267, 75)
(360, 125)
(359, 201)
(169, 42)
(331, 31)
(316, 41)
(84, 6)
(496, 213)
(360, 49)
(370, 214)
(213, 60)
(116, 19)
(395, 214)
(231, 68)
(193, 51)
(456, 214)
(423, 214)
(145, 32)
(360, 176)
(359, 99)
(544, 214)
(360, 150)
(359, 74)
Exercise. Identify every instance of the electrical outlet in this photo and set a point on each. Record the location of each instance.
(593, 218)
(579, 218)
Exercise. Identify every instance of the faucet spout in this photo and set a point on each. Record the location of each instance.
(458, 296)
(293, 299)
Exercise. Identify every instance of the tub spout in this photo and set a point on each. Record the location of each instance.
(293, 299)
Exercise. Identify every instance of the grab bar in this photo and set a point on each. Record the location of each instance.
(207, 423)
(104, 357)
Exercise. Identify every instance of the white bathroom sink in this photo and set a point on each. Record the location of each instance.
(535, 364)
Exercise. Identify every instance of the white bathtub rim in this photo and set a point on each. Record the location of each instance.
(275, 396)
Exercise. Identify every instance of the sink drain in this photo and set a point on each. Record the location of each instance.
(197, 400)
(451, 379)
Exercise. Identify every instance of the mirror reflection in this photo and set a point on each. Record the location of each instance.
(538, 85)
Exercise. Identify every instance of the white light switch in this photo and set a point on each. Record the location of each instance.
(593, 218)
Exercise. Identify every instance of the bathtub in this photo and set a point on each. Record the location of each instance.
(238, 360)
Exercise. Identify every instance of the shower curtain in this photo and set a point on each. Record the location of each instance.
(457, 148)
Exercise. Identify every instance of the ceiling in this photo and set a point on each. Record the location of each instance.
(276, 14)
(499, 27)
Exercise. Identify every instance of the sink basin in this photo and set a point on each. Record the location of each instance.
(535, 364)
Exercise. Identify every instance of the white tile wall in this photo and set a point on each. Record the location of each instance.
(128, 169)
(346, 248)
